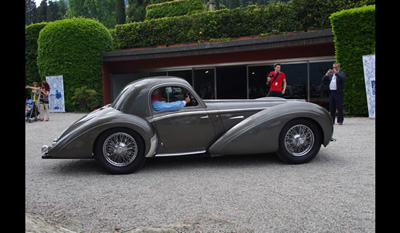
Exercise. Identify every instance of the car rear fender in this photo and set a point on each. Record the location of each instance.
(259, 133)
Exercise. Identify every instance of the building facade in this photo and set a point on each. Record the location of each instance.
(235, 69)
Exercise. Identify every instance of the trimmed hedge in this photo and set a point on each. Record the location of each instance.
(173, 8)
(354, 36)
(31, 47)
(296, 15)
(213, 24)
(73, 48)
(159, 1)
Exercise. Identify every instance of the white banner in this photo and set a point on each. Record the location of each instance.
(56, 97)
(369, 75)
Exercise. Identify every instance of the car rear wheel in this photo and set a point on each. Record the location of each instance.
(299, 141)
(119, 151)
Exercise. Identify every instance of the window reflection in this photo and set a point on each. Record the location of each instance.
(296, 79)
(204, 83)
(257, 80)
(318, 91)
(231, 82)
(185, 74)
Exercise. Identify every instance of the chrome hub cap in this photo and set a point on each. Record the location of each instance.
(299, 140)
(120, 149)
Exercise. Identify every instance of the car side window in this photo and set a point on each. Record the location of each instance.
(171, 94)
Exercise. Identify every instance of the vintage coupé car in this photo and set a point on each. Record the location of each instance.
(121, 135)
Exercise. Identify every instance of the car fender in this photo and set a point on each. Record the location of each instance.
(78, 140)
(259, 133)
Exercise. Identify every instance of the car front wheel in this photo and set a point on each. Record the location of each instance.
(119, 151)
(299, 141)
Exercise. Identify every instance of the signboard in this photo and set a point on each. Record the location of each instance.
(369, 75)
(56, 96)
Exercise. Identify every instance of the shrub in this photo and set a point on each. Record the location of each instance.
(73, 48)
(173, 8)
(354, 36)
(85, 99)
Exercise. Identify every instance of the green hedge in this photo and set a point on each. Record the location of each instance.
(199, 27)
(296, 15)
(159, 1)
(173, 8)
(73, 48)
(31, 46)
(354, 36)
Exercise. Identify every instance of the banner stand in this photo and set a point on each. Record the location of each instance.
(56, 96)
(369, 76)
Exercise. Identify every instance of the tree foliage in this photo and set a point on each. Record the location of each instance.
(101, 10)
(73, 48)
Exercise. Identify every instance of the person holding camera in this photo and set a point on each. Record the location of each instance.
(335, 78)
(276, 78)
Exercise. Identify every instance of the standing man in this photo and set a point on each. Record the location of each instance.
(336, 79)
(276, 78)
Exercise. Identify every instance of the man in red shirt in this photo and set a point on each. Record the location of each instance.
(275, 79)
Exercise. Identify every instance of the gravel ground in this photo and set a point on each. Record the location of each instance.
(335, 192)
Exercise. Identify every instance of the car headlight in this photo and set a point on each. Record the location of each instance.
(45, 149)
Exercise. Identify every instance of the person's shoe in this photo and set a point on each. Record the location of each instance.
(340, 123)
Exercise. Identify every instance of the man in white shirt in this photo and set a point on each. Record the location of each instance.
(336, 79)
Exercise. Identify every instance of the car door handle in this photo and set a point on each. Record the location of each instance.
(204, 117)
(236, 117)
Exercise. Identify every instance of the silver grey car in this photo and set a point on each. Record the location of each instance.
(121, 135)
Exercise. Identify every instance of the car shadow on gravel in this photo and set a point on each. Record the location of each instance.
(157, 164)
(90, 167)
(198, 161)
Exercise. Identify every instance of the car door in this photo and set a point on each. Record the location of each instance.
(188, 130)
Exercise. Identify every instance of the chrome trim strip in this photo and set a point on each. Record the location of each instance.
(153, 147)
(198, 112)
(177, 114)
(236, 117)
(181, 154)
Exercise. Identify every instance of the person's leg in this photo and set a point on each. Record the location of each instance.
(332, 105)
(339, 106)
(41, 112)
(47, 111)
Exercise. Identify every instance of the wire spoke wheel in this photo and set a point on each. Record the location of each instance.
(299, 140)
(120, 149)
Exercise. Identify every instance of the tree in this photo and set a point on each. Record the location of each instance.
(30, 12)
(42, 11)
(101, 10)
(120, 11)
(136, 10)
(53, 13)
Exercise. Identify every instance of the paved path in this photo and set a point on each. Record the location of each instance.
(335, 192)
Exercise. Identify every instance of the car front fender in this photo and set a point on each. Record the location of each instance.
(78, 140)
